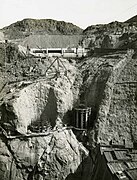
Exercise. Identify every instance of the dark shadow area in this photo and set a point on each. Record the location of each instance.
(95, 94)
(83, 172)
(92, 118)
(50, 111)
(7, 113)
(48, 116)
(33, 175)
(68, 118)
(8, 119)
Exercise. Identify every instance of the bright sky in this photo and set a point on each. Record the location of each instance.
(80, 12)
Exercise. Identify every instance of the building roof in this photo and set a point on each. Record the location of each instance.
(121, 162)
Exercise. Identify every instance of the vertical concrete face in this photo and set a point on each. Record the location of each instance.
(58, 52)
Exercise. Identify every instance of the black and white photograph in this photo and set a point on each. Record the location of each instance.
(68, 90)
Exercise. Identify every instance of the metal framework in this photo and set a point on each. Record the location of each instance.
(59, 63)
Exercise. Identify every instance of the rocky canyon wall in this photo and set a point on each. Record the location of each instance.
(106, 83)
(111, 92)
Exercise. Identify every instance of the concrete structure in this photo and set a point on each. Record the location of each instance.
(58, 52)
(82, 116)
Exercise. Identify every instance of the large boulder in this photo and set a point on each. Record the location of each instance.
(37, 102)
(54, 156)
(41, 101)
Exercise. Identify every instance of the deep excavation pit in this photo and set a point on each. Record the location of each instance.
(35, 141)
(38, 141)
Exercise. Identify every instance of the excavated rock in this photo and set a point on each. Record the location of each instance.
(60, 154)
(1, 36)
(36, 105)
(54, 156)
(121, 118)
(43, 101)
(26, 106)
(113, 106)
(42, 104)
(8, 168)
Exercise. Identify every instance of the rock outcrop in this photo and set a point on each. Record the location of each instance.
(42, 105)
(54, 156)
(36, 103)
(43, 101)
(115, 35)
(132, 20)
(1, 36)
(110, 89)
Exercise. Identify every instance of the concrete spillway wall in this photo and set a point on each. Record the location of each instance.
(65, 52)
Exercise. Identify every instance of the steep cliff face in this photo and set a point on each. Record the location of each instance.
(1, 36)
(54, 156)
(41, 106)
(7, 164)
(44, 100)
(110, 89)
(123, 108)
(36, 105)
(112, 35)
(35, 144)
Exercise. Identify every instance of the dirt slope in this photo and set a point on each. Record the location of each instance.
(54, 41)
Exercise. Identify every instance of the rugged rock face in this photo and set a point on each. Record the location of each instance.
(41, 100)
(110, 89)
(54, 156)
(132, 20)
(26, 106)
(1, 36)
(36, 106)
(123, 108)
(112, 35)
